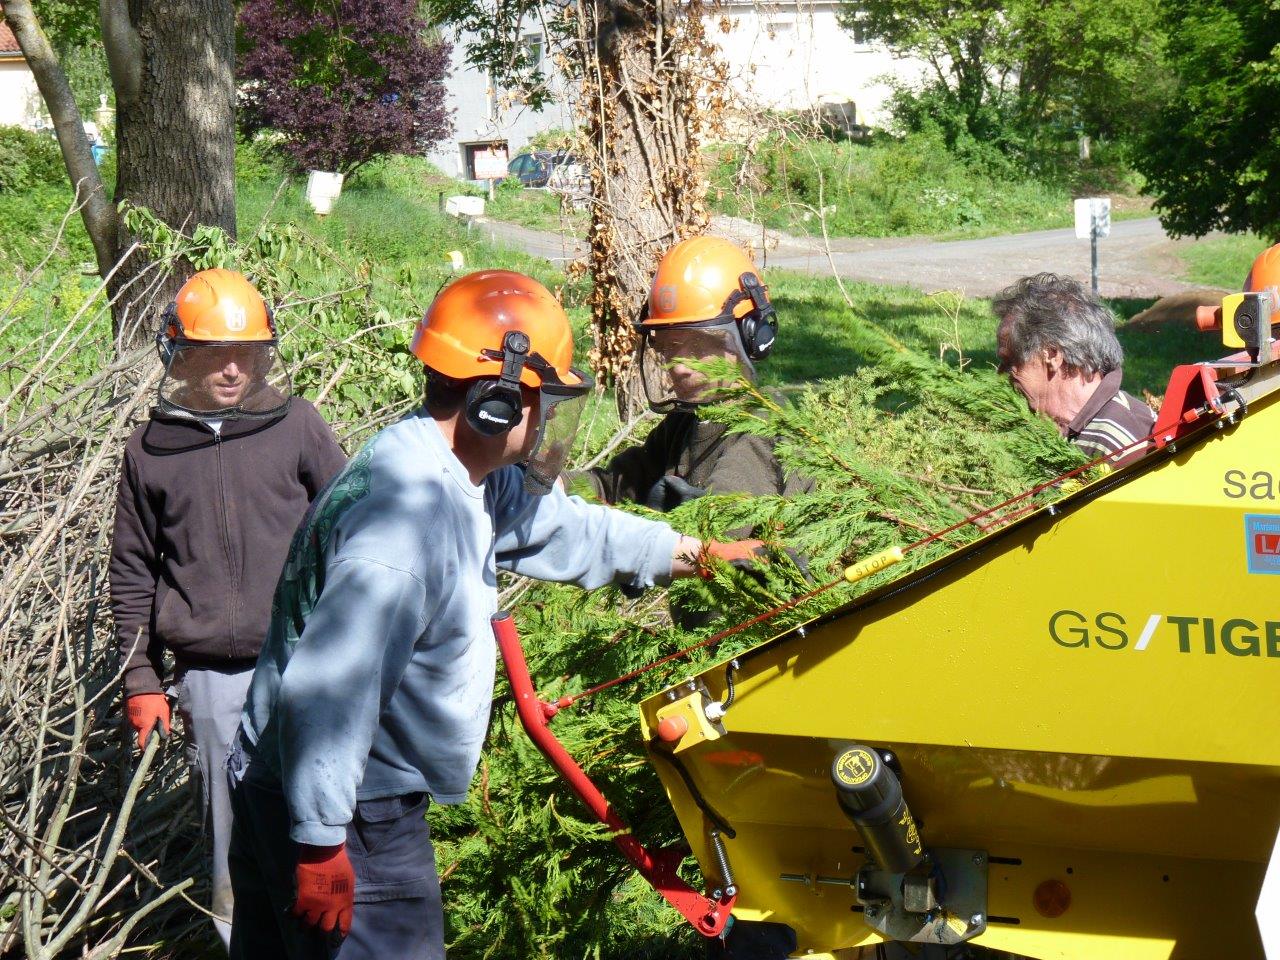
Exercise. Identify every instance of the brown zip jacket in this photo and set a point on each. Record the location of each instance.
(203, 524)
(701, 453)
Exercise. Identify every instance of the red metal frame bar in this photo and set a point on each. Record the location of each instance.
(708, 916)
(1191, 387)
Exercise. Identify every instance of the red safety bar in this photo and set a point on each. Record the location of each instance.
(707, 915)
(1191, 388)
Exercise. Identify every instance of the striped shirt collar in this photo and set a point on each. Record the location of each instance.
(1104, 394)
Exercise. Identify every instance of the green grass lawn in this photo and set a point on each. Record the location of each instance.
(1222, 260)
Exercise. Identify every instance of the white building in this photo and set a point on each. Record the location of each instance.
(784, 55)
(20, 104)
(796, 55)
(485, 114)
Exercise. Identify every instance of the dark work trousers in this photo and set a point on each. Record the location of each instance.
(397, 916)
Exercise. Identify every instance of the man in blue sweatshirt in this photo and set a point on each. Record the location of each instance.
(371, 695)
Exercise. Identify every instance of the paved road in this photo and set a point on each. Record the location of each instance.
(1137, 260)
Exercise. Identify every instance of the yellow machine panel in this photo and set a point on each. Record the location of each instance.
(1087, 700)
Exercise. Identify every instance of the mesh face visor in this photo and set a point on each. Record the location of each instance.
(211, 380)
(560, 412)
(670, 384)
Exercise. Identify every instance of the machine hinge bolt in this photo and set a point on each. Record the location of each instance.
(976, 920)
(977, 859)
(717, 894)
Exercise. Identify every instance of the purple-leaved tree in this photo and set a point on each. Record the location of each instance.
(343, 82)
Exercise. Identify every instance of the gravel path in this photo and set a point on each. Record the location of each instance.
(1137, 260)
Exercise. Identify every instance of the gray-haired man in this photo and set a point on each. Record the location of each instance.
(1058, 345)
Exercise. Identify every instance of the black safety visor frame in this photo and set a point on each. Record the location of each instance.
(551, 382)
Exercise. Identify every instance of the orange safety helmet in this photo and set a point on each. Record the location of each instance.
(710, 281)
(1265, 271)
(501, 330)
(219, 317)
(464, 329)
(218, 306)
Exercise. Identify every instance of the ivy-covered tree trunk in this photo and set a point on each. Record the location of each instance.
(649, 95)
(172, 65)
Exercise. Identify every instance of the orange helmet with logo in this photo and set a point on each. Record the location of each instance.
(217, 340)
(221, 306)
(1265, 271)
(709, 281)
(502, 330)
(468, 320)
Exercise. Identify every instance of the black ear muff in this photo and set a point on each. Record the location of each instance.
(494, 404)
(165, 346)
(759, 328)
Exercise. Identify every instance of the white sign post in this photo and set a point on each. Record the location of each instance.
(490, 164)
(1093, 221)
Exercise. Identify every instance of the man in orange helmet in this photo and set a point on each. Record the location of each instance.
(371, 697)
(1264, 273)
(707, 302)
(211, 489)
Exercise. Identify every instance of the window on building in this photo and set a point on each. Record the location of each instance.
(779, 28)
(856, 27)
(534, 48)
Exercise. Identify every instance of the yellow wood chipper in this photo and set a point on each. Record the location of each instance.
(1061, 740)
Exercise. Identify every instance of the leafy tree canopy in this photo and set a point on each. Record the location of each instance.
(1210, 156)
(342, 82)
(68, 23)
(1023, 74)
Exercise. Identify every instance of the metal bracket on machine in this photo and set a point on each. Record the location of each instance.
(942, 901)
(689, 717)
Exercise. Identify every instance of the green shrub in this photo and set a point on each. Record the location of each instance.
(888, 187)
(29, 221)
(28, 159)
(257, 161)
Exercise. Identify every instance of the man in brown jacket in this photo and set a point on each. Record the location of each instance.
(707, 302)
(211, 490)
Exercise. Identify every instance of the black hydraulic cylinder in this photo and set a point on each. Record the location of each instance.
(871, 796)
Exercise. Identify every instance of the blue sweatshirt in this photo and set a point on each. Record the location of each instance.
(377, 672)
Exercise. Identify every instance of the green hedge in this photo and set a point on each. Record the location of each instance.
(28, 160)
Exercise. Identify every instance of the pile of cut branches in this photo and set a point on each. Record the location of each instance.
(905, 447)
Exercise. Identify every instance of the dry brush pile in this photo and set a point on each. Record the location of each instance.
(99, 845)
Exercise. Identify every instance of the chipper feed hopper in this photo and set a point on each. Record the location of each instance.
(1061, 740)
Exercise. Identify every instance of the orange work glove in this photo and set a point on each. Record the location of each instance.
(739, 553)
(326, 888)
(144, 711)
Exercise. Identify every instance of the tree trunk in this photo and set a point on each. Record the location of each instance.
(96, 211)
(172, 66)
(645, 109)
